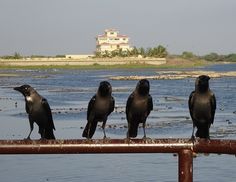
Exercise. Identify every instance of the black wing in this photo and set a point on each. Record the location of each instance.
(150, 104)
(48, 112)
(27, 107)
(191, 103)
(112, 105)
(213, 107)
(91, 105)
(128, 104)
(91, 125)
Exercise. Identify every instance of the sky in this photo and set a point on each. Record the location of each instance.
(58, 27)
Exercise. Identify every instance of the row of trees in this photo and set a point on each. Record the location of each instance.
(213, 57)
(216, 57)
(157, 52)
(17, 55)
(161, 52)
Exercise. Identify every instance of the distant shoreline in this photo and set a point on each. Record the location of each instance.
(100, 63)
(80, 62)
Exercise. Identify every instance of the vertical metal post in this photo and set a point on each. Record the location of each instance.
(185, 165)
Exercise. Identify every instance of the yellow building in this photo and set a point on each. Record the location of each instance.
(111, 40)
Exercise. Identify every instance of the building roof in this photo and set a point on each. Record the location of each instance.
(119, 36)
(101, 36)
(111, 30)
(114, 43)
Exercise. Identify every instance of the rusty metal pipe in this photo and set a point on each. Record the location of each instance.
(93, 146)
(115, 146)
(184, 147)
(215, 146)
(185, 165)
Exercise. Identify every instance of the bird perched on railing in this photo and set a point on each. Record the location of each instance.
(99, 108)
(138, 107)
(202, 106)
(38, 111)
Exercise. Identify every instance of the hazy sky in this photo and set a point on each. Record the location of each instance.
(51, 27)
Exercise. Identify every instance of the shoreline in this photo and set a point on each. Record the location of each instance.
(102, 63)
(80, 62)
(98, 63)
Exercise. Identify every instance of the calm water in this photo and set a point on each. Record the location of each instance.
(68, 93)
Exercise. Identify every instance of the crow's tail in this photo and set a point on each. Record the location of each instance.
(89, 129)
(133, 129)
(48, 134)
(203, 132)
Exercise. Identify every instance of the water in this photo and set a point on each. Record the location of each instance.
(68, 93)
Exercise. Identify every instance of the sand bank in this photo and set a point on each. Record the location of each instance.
(175, 75)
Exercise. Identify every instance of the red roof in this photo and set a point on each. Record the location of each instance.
(118, 36)
(113, 44)
(111, 30)
(101, 36)
(122, 36)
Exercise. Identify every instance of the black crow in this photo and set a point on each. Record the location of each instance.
(138, 107)
(38, 111)
(99, 108)
(202, 106)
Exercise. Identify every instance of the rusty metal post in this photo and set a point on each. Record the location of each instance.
(185, 165)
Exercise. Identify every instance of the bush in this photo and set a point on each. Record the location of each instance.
(15, 56)
(230, 58)
(188, 55)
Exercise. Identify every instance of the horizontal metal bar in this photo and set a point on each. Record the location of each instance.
(116, 146)
(93, 146)
(215, 146)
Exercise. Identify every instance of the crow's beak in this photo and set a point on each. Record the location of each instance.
(18, 89)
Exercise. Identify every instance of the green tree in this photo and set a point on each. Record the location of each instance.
(98, 54)
(60, 56)
(211, 57)
(159, 51)
(230, 58)
(149, 52)
(142, 51)
(188, 55)
(134, 51)
(162, 52)
(17, 55)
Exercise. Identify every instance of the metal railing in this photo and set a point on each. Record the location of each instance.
(184, 148)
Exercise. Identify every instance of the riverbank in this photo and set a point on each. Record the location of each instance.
(100, 63)
(80, 61)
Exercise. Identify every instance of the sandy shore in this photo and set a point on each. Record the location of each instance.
(80, 62)
(176, 75)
